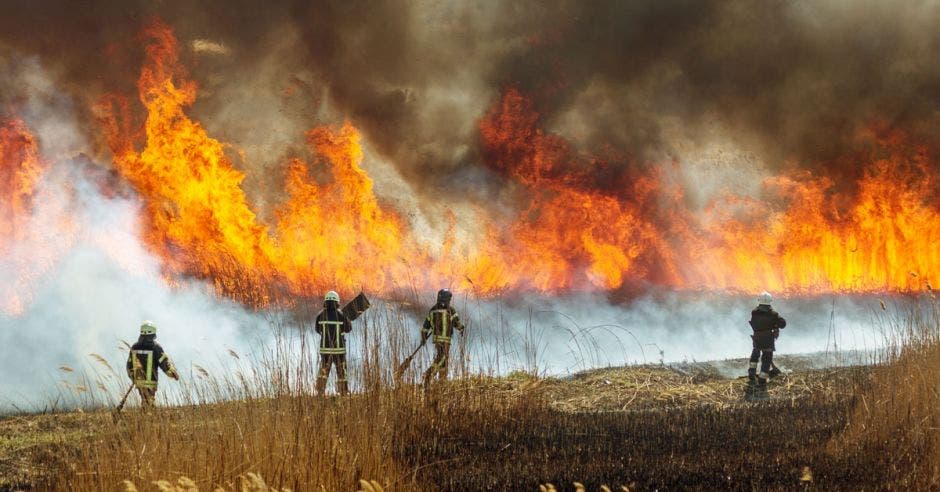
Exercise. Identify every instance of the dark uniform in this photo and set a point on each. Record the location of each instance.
(145, 357)
(332, 325)
(440, 324)
(766, 324)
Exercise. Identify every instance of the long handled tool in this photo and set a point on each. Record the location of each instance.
(120, 406)
(407, 362)
(124, 400)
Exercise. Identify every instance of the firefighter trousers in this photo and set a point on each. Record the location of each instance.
(439, 366)
(327, 361)
(148, 396)
(766, 359)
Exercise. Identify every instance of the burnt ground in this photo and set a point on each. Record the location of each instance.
(655, 427)
(644, 427)
(28, 443)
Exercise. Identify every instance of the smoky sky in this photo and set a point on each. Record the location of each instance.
(790, 81)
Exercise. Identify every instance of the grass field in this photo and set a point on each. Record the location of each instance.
(628, 428)
(641, 427)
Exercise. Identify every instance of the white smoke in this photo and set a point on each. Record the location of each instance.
(93, 294)
(560, 336)
(78, 281)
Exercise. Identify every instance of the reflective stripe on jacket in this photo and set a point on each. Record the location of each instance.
(143, 360)
(440, 324)
(332, 325)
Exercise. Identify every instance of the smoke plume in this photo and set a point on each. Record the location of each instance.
(540, 151)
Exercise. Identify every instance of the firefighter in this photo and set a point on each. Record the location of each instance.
(766, 324)
(332, 325)
(145, 357)
(439, 326)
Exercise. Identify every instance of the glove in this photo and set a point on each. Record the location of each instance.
(776, 333)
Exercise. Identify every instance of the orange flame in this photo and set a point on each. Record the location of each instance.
(337, 234)
(805, 237)
(820, 241)
(586, 226)
(575, 236)
(20, 170)
(198, 217)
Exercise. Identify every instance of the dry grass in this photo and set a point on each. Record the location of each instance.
(898, 414)
(660, 387)
(470, 434)
(640, 427)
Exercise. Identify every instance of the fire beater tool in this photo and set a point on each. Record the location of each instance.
(407, 362)
(354, 308)
(120, 406)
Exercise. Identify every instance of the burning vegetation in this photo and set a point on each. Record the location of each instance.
(21, 170)
(545, 150)
(583, 222)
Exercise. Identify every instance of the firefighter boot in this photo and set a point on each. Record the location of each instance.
(762, 383)
(752, 366)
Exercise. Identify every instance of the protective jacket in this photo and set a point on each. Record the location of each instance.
(332, 325)
(440, 324)
(143, 360)
(766, 324)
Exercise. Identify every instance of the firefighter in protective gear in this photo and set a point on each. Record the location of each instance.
(332, 325)
(766, 324)
(439, 326)
(145, 357)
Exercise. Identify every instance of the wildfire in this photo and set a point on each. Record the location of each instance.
(199, 219)
(884, 239)
(804, 237)
(20, 170)
(35, 227)
(578, 235)
(197, 216)
(585, 224)
(337, 234)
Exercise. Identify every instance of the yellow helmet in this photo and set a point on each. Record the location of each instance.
(148, 328)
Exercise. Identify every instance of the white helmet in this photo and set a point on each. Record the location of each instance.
(331, 296)
(148, 328)
(765, 298)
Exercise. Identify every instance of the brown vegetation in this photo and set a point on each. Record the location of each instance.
(640, 427)
(898, 412)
